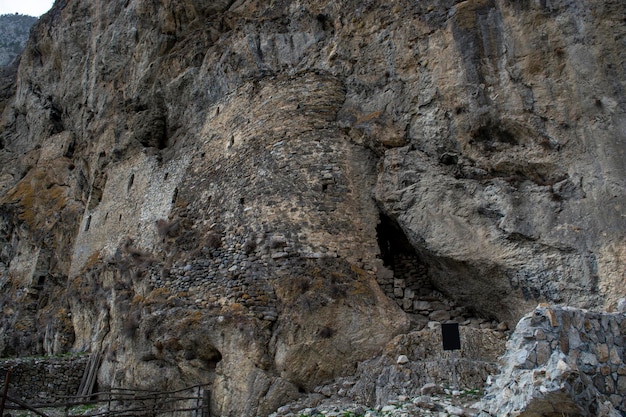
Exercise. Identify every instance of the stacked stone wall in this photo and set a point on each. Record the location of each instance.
(408, 284)
(563, 358)
(409, 281)
(43, 380)
(293, 202)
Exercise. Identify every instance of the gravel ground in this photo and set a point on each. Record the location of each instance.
(435, 401)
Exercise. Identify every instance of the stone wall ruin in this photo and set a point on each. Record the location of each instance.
(45, 379)
(563, 360)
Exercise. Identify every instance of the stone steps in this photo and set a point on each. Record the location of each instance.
(409, 285)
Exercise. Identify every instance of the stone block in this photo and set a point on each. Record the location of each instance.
(453, 410)
(399, 283)
(617, 400)
(543, 352)
(439, 315)
(564, 342)
(433, 325)
(438, 305)
(425, 402)
(615, 355)
(420, 305)
(609, 385)
(552, 317)
(588, 359)
(574, 339)
(602, 351)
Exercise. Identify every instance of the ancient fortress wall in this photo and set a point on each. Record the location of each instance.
(43, 380)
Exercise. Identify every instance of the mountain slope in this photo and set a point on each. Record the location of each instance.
(14, 30)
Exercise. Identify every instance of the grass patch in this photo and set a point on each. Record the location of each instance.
(82, 409)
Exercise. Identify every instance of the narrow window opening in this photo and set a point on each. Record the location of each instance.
(212, 357)
(69, 153)
(88, 223)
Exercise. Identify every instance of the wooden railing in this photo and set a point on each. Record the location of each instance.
(118, 402)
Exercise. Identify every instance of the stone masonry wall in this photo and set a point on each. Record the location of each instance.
(406, 282)
(561, 359)
(43, 380)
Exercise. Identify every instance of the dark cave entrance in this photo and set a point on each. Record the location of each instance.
(212, 358)
(413, 282)
(410, 272)
(393, 243)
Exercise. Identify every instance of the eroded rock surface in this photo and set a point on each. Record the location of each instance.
(263, 195)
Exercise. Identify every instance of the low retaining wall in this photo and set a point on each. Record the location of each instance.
(43, 380)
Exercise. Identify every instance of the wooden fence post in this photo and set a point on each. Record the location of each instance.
(5, 390)
(206, 403)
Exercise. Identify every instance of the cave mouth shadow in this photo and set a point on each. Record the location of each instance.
(392, 241)
(410, 270)
(422, 282)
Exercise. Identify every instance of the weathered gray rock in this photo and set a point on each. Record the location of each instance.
(431, 388)
(424, 401)
(14, 29)
(439, 315)
(381, 379)
(402, 359)
(191, 183)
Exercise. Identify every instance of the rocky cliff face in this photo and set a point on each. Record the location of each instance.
(14, 30)
(258, 195)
